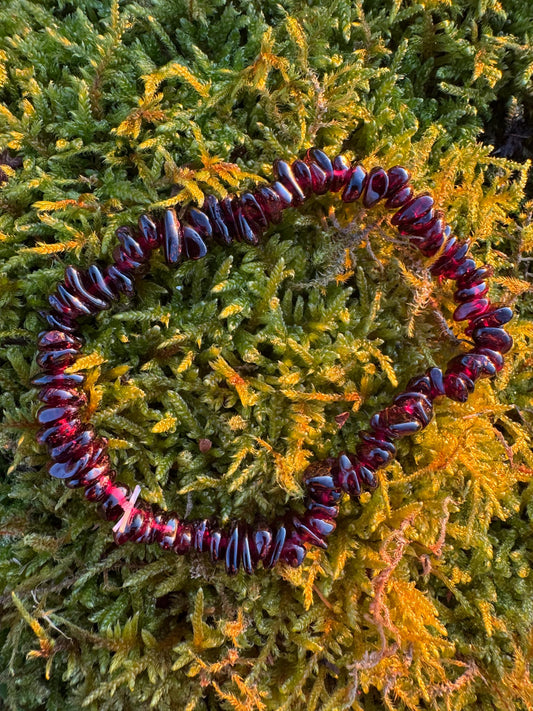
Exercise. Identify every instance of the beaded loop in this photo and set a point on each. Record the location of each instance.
(79, 457)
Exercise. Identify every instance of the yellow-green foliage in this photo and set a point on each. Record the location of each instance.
(224, 379)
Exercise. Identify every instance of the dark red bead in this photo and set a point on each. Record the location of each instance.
(56, 361)
(245, 553)
(329, 511)
(284, 195)
(320, 524)
(318, 179)
(59, 380)
(118, 280)
(74, 446)
(398, 177)
(221, 234)
(470, 309)
(322, 488)
(374, 452)
(286, 177)
(98, 490)
(244, 231)
(456, 387)
(394, 422)
(293, 551)
(74, 303)
(495, 357)
(420, 384)
(217, 545)
(341, 173)
(477, 291)
(315, 155)
(418, 228)
(260, 542)
(183, 542)
(437, 382)
(59, 433)
(167, 529)
(465, 269)
(306, 532)
(193, 244)
(74, 280)
(496, 315)
(172, 237)
(473, 365)
(55, 340)
(129, 245)
(355, 186)
(75, 467)
(413, 210)
(112, 505)
(452, 256)
(100, 283)
(401, 197)
(416, 405)
(475, 276)
(303, 177)
(200, 223)
(271, 204)
(494, 338)
(346, 475)
(280, 533)
(138, 526)
(226, 210)
(96, 468)
(58, 322)
(253, 213)
(429, 246)
(201, 535)
(62, 396)
(376, 186)
(149, 236)
(49, 415)
(232, 552)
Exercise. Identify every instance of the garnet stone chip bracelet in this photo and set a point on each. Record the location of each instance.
(79, 456)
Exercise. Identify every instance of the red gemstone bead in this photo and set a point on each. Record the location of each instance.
(149, 235)
(315, 155)
(59, 380)
(341, 173)
(416, 405)
(217, 545)
(62, 396)
(473, 365)
(398, 178)
(374, 452)
(193, 245)
(494, 338)
(172, 237)
(376, 186)
(138, 528)
(98, 490)
(286, 177)
(321, 524)
(437, 382)
(303, 176)
(74, 467)
(496, 315)
(395, 422)
(74, 281)
(183, 542)
(418, 228)
(56, 361)
(201, 535)
(199, 221)
(495, 357)
(59, 433)
(167, 529)
(58, 322)
(346, 474)
(413, 210)
(329, 511)
(56, 340)
(401, 197)
(112, 506)
(452, 256)
(245, 554)
(293, 551)
(232, 551)
(76, 305)
(456, 387)
(470, 309)
(253, 213)
(270, 203)
(90, 474)
(50, 415)
(355, 185)
(307, 531)
(260, 543)
(318, 179)
(100, 283)
(279, 536)
(118, 280)
(221, 234)
(477, 291)
(283, 194)
(74, 446)
(244, 232)
(464, 270)
(475, 276)
(322, 488)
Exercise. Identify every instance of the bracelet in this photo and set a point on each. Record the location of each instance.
(79, 456)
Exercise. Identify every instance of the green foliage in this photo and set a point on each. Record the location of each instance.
(423, 598)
